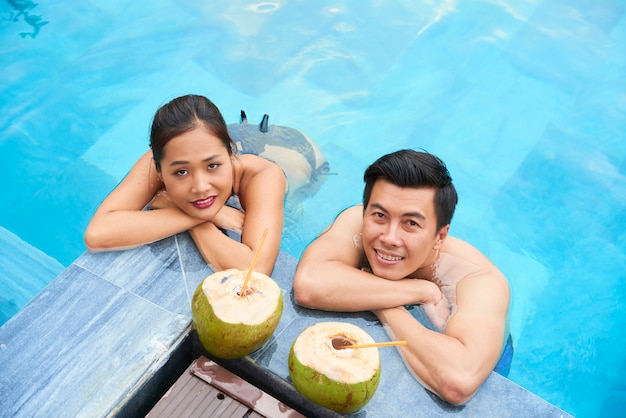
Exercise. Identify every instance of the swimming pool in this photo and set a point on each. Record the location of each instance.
(524, 101)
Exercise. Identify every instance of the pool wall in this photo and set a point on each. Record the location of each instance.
(93, 340)
(524, 100)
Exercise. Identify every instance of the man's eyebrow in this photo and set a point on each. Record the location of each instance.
(379, 207)
(183, 162)
(418, 215)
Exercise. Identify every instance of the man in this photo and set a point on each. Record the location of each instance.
(394, 251)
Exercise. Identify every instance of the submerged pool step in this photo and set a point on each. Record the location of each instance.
(25, 271)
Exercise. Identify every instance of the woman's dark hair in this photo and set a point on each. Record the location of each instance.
(184, 114)
(409, 168)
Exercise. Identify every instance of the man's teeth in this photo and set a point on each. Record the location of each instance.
(389, 257)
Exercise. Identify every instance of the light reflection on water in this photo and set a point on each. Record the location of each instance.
(523, 100)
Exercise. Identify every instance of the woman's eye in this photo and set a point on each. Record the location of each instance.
(181, 172)
(213, 166)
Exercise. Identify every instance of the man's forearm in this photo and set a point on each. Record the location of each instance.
(334, 286)
(440, 362)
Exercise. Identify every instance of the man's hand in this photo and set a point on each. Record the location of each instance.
(438, 312)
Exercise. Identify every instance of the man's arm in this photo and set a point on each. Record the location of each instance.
(455, 364)
(329, 275)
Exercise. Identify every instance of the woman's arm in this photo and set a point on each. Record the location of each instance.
(120, 221)
(262, 194)
(329, 275)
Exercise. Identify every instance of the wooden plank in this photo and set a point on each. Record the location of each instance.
(207, 389)
(191, 397)
(241, 390)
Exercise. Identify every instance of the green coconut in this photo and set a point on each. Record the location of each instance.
(341, 379)
(231, 325)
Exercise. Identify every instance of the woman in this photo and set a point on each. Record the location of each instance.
(187, 177)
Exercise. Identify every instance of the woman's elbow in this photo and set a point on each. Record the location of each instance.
(94, 241)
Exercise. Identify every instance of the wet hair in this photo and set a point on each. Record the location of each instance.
(184, 114)
(409, 168)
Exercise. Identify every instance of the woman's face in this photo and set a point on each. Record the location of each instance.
(197, 172)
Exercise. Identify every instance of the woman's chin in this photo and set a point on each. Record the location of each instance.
(206, 215)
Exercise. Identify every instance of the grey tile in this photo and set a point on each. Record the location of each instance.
(165, 273)
(80, 346)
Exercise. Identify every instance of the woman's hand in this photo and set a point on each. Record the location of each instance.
(230, 218)
(161, 201)
(227, 218)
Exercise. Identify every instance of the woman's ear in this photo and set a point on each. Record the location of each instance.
(153, 168)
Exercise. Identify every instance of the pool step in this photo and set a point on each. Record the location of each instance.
(25, 271)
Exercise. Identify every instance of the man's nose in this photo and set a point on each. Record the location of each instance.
(391, 234)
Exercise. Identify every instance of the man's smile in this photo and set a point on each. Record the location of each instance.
(387, 257)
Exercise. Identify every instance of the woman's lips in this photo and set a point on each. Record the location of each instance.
(204, 203)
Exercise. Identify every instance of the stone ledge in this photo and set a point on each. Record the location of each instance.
(94, 338)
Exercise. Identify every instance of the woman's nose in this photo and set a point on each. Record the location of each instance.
(201, 184)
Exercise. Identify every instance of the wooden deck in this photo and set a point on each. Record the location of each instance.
(207, 389)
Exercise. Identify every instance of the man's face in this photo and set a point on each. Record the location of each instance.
(400, 230)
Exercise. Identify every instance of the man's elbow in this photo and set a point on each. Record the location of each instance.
(456, 396)
(302, 296)
(458, 391)
(303, 291)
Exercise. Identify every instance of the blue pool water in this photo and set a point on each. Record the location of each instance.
(525, 101)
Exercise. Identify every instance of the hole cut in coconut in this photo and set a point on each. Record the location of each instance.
(342, 342)
(247, 291)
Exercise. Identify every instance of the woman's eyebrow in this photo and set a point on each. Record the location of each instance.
(183, 162)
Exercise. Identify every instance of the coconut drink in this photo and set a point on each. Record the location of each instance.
(232, 323)
(341, 379)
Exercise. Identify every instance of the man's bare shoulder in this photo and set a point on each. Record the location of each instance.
(349, 220)
(466, 251)
(476, 276)
(337, 242)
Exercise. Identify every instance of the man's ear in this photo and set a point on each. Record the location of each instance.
(441, 236)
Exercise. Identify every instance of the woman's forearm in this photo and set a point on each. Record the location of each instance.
(221, 252)
(127, 229)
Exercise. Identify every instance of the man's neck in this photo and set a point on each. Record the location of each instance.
(428, 271)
